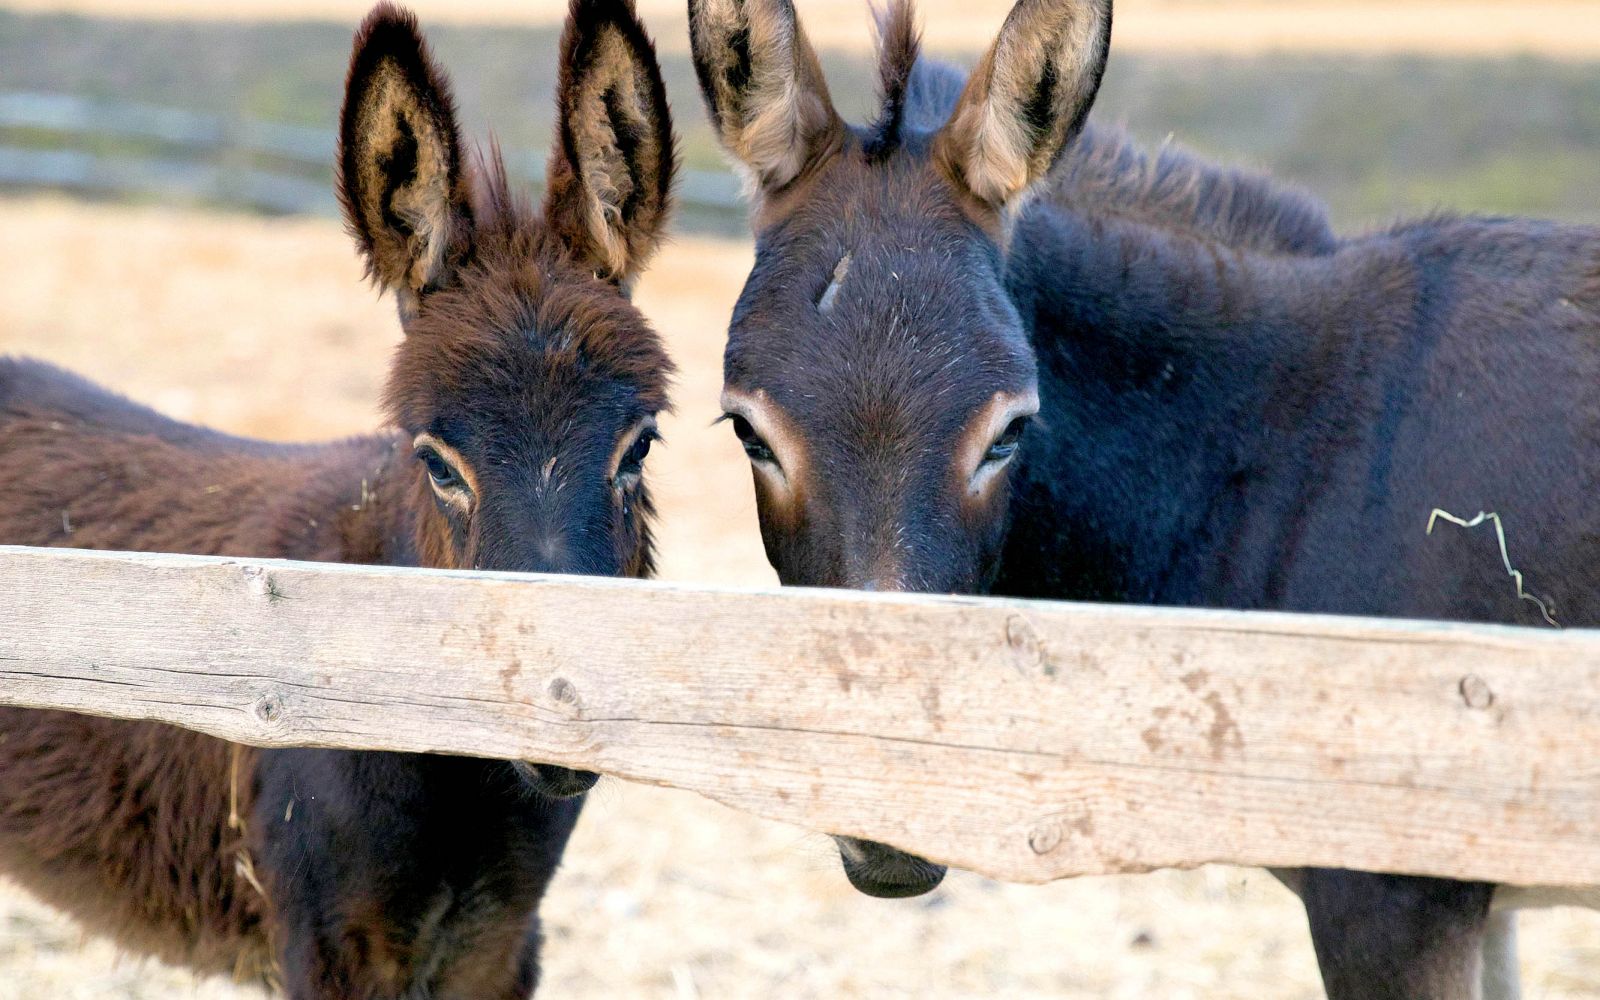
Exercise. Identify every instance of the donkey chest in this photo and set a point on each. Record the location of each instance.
(470, 940)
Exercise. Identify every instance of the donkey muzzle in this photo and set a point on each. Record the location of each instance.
(554, 781)
(886, 872)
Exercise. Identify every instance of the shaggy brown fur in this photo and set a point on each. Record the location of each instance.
(899, 41)
(96, 822)
(523, 399)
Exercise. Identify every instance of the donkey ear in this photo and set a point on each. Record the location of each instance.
(763, 86)
(611, 170)
(1027, 99)
(406, 200)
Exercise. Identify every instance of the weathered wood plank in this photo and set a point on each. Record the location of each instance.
(1027, 741)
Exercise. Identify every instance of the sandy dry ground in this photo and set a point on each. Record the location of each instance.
(1558, 28)
(263, 327)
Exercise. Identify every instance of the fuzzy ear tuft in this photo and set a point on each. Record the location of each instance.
(401, 182)
(1027, 99)
(611, 170)
(763, 87)
(899, 44)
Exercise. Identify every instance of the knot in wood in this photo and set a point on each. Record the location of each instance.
(1476, 693)
(260, 583)
(1019, 634)
(1024, 641)
(562, 690)
(1045, 837)
(269, 708)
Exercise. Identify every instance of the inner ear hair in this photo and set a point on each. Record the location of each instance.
(611, 172)
(401, 182)
(1027, 99)
(763, 86)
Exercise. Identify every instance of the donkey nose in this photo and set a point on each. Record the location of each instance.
(551, 552)
(886, 872)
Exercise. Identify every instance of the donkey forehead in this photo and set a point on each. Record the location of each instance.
(872, 316)
(516, 390)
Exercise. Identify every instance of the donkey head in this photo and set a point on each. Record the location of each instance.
(876, 371)
(526, 383)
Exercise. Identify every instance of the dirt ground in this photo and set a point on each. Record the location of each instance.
(1436, 27)
(264, 327)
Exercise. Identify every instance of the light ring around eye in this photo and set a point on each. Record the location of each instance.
(626, 469)
(770, 440)
(460, 490)
(993, 438)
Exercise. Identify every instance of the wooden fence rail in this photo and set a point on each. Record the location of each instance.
(1023, 740)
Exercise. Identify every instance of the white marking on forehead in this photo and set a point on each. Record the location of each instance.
(840, 271)
(548, 470)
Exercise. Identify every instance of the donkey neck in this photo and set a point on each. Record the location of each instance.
(344, 501)
(1177, 375)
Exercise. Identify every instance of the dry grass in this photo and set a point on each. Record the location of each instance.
(262, 327)
(1558, 28)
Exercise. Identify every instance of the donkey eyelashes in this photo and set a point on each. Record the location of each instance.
(1008, 442)
(998, 429)
(628, 470)
(754, 446)
(447, 472)
(448, 475)
(439, 471)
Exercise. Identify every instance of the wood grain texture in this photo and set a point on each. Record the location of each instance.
(1027, 741)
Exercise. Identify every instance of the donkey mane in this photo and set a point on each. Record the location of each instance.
(1103, 170)
(899, 45)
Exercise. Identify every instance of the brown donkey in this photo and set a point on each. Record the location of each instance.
(985, 349)
(524, 399)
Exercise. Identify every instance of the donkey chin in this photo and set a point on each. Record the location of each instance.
(553, 781)
(886, 872)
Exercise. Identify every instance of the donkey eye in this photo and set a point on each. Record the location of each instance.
(753, 445)
(443, 476)
(632, 465)
(1007, 443)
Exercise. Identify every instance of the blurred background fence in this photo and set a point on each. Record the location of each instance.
(120, 149)
(240, 113)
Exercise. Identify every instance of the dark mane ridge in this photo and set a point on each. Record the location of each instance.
(1104, 170)
(500, 209)
(898, 42)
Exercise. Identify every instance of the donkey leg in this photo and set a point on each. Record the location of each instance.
(1397, 937)
(1502, 979)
